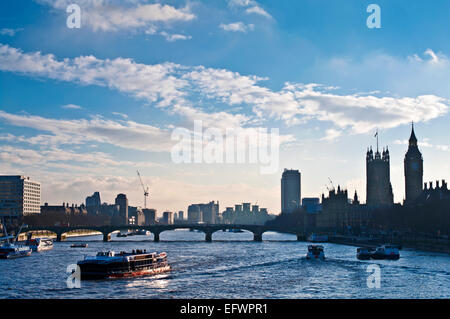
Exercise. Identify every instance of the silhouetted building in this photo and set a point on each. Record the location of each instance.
(378, 178)
(312, 205)
(433, 194)
(210, 212)
(206, 213)
(63, 209)
(243, 215)
(246, 208)
(105, 209)
(137, 214)
(150, 216)
(339, 213)
(122, 201)
(290, 190)
(167, 218)
(93, 200)
(181, 215)
(194, 214)
(413, 170)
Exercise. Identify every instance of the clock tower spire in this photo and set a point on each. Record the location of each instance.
(413, 169)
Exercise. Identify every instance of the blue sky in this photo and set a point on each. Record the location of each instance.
(82, 109)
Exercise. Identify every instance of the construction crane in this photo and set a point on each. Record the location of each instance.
(331, 182)
(145, 190)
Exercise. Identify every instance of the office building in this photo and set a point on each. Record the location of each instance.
(19, 196)
(122, 201)
(194, 214)
(150, 216)
(290, 190)
(167, 218)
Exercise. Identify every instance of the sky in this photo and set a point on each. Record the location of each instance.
(82, 109)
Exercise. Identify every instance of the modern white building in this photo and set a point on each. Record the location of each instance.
(290, 190)
(19, 196)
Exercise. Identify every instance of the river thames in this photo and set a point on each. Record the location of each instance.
(232, 266)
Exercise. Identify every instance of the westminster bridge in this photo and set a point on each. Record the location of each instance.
(208, 229)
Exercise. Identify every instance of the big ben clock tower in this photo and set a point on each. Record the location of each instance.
(413, 170)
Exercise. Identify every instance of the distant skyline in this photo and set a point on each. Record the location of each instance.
(82, 109)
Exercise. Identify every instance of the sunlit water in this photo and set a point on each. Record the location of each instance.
(232, 266)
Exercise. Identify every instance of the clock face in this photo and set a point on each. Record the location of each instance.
(415, 166)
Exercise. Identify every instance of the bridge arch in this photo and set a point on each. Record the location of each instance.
(231, 234)
(80, 231)
(38, 233)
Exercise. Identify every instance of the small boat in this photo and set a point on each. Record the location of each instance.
(39, 244)
(386, 252)
(235, 230)
(364, 253)
(122, 265)
(143, 232)
(122, 235)
(80, 245)
(315, 252)
(314, 238)
(10, 250)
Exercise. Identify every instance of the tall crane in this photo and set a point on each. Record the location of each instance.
(145, 190)
(331, 182)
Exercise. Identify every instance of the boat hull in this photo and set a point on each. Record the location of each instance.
(41, 248)
(315, 257)
(364, 256)
(385, 257)
(106, 272)
(15, 255)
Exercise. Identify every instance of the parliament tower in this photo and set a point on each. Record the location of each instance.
(413, 170)
(379, 188)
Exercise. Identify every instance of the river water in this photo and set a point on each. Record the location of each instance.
(232, 266)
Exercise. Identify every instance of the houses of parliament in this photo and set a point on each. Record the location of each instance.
(420, 203)
(378, 181)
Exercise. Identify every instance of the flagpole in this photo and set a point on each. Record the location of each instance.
(376, 134)
(377, 140)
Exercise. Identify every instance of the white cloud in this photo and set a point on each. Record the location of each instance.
(237, 27)
(331, 134)
(427, 73)
(425, 143)
(111, 15)
(155, 83)
(122, 115)
(175, 37)
(178, 88)
(258, 10)
(10, 32)
(71, 107)
(252, 7)
(125, 134)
